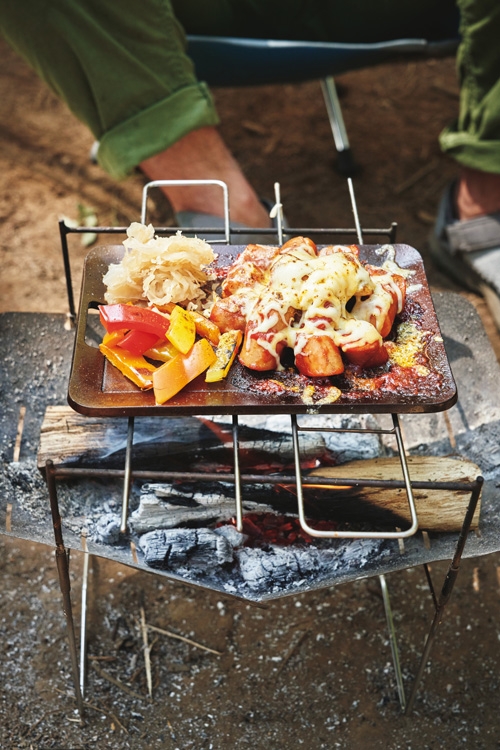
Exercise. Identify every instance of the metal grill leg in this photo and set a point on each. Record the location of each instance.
(393, 641)
(64, 582)
(447, 589)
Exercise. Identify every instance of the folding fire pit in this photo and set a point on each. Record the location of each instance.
(232, 512)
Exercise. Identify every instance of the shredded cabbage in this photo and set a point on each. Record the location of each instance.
(159, 269)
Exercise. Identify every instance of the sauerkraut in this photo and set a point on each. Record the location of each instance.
(160, 270)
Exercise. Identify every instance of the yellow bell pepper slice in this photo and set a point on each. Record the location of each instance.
(182, 330)
(229, 345)
(174, 375)
(135, 368)
(162, 352)
(204, 327)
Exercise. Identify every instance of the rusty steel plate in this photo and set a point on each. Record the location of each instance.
(96, 388)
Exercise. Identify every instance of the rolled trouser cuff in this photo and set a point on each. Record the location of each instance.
(155, 129)
(470, 151)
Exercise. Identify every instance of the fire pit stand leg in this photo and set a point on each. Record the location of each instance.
(64, 581)
(237, 475)
(83, 617)
(127, 479)
(441, 601)
(393, 640)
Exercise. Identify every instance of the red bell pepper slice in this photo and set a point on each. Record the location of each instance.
(137, 342)
(114, 317)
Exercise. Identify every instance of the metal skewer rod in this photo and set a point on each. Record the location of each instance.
(277, 212)
(355, 211)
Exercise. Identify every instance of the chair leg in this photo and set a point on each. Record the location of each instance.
(345, 160)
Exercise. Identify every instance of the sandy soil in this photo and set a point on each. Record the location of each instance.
(314, 670)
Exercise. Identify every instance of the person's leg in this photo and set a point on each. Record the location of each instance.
(122, 69)
(474, 138)
(466, 238)
(202, 154)
(477, 193)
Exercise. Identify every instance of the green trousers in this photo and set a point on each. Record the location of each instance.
(122, 68)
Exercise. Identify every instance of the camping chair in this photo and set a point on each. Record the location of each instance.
(234, 61)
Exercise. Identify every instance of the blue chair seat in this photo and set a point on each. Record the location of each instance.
(234, 61)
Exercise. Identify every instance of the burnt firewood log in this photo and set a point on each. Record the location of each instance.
(197, 549)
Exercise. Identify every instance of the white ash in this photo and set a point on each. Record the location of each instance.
(233, 536)
(25, 485)
(280, 567)
(177, 548)
(166, 506)
(107, 529)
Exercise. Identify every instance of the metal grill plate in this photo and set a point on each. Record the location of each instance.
(96, 388)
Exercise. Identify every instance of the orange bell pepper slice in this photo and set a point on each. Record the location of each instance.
(175, 374)
(162, 352)
(136, 369)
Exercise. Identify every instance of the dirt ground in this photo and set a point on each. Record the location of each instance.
(313, 670)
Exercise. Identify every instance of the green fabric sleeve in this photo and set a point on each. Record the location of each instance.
(474, 138)
(121, 67)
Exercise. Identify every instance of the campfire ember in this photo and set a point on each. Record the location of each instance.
(241, 562)
(262, 529)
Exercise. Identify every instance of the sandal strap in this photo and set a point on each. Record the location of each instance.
(469, 236)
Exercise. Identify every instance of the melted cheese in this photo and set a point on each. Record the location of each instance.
(298, 293)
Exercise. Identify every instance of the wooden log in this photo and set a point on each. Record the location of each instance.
(437, 509)
(170, 443)
(70, 439)
(196, 548)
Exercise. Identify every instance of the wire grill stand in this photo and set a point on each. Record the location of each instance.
(128, 474)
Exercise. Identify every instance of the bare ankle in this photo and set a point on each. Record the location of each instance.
(478, 193)
(203, 155)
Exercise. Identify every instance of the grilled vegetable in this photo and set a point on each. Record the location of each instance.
(229, 344)
(162, 352)
(136, 369)
(205, 328)
(175, 374)
(182, 330)
(138, 342)
(116, 317)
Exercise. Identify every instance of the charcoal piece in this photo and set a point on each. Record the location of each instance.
(163, 506)
(233, 536)
(281, 568)
(276, 567)
(106, 529)
(200, 549)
